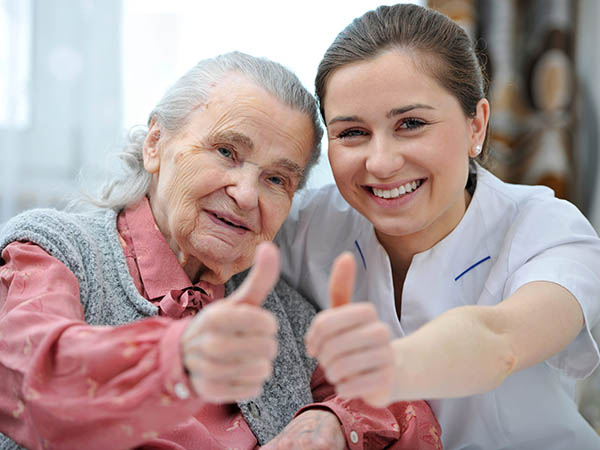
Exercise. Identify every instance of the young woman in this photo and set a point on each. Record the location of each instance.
(490, 289)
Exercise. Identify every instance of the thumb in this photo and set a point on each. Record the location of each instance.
(262, 277)
(341, 281)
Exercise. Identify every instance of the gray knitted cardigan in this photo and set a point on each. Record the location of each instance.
(88, 244)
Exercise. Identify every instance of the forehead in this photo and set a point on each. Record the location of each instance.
(254, 118)
(395, 77)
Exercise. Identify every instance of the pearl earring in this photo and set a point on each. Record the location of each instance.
(476, 151)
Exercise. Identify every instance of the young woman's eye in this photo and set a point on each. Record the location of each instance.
(225, 152)
(351, 133)
(411, 123)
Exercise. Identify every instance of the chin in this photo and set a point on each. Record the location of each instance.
(396, 229)
(224, 265)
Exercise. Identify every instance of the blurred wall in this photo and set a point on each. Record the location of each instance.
(75, 103)
(588, 68)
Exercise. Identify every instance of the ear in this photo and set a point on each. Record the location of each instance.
(150, 149)
(479, 124)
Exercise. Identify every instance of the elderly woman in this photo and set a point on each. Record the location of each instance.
(110, 333)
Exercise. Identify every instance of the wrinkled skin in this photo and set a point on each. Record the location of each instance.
(222, 186)
(224, 183)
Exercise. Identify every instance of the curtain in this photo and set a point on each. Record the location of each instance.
(74, 103)
(528, 51)
(544, 116)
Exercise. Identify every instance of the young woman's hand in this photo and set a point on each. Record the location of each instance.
(352, 345)
(229, 348)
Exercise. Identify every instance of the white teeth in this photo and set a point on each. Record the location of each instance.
(397, 192)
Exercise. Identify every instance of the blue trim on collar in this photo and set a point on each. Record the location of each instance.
(472, 267)
(361, 254)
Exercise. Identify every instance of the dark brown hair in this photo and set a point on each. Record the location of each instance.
(442, 48)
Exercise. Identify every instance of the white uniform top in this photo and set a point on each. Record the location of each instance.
(510, 235)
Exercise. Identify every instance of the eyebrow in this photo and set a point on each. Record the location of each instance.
(240, 138)
(344, 119)
(389, 114)
(235, 137)
(405, 109)
(290, 166)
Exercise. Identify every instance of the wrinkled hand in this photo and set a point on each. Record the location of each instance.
(352, 345)
(229, 348)
(315, 429)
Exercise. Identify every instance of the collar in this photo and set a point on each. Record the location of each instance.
(158, 266)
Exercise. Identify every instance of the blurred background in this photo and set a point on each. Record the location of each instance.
(75, 75)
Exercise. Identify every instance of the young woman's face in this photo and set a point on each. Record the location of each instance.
(399, 145)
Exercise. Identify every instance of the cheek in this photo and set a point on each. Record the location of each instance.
(182, 205)
(342, 163)
(274, 214)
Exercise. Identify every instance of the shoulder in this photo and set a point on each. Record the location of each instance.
(534, 234)
(52, 223)
(519, 209)
(67, 236)
(493, 189)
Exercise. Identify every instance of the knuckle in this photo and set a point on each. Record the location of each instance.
(253, 391)
(205, 386)
(345, 390)
(369, 312)
(307, 441)
(382, 332)
(271, 324)
(323, 444)
(334, 373)
(208, 342)
(387, 332)
(285, 442)
(330, 374)
(272, 348)
(212, 313)
(265, 368)
(327, 353)
(320, 321)
(196, 366)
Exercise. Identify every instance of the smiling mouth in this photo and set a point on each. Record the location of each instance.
(227, 222)
(396, 192)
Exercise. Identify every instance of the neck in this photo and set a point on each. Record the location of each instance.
(211, 273)
(401, 249)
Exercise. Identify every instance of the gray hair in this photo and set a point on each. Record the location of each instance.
(190, 91)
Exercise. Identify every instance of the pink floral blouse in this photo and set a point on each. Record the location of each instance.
(69, 385)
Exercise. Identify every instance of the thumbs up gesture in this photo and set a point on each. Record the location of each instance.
(229, 348)
(351, 344)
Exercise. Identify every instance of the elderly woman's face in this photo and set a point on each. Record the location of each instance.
(225, 182)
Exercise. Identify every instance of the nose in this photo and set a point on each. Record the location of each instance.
(243, 188)
(384, 158)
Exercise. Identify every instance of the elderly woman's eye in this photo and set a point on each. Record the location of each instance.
(227, 153)
(276, 180)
